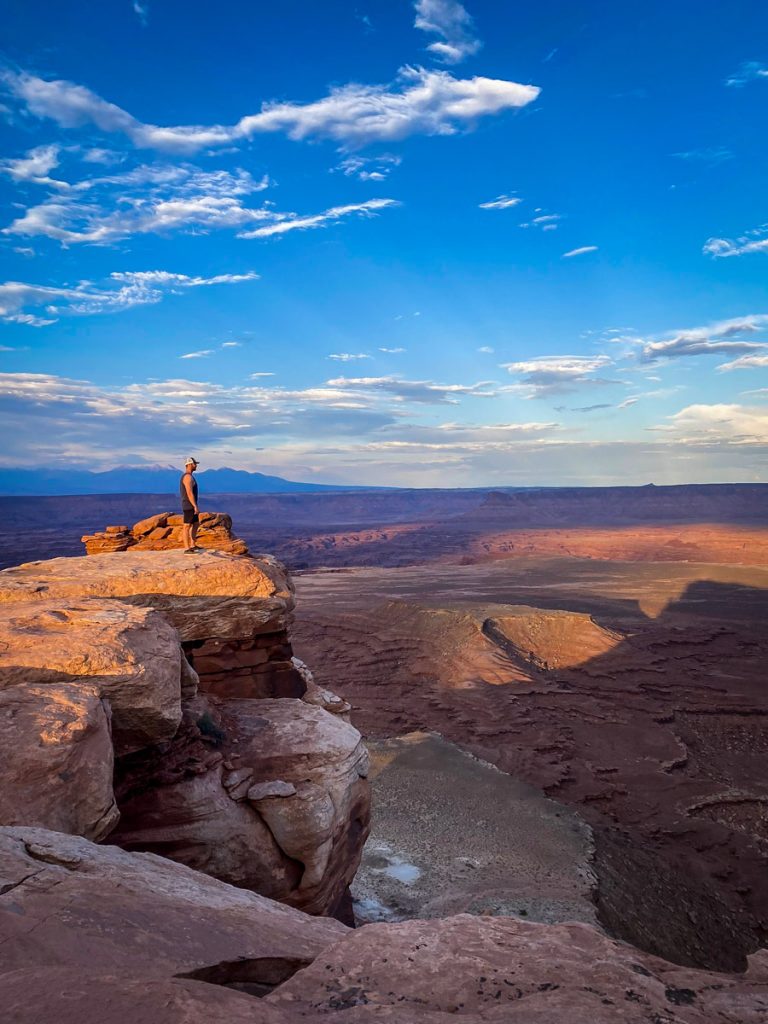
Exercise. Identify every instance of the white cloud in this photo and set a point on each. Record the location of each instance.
(753, 241)
(132, 288)
(450, 20)
(148, 199)
(579, 252)
(486, 349)
(709, 340)
(735, 424)
(392, 351)
(198, 355)
(348, 357)
(420, 102)
(548, 222)
(501, 203)
(99, 155)
(745, 363)
(419, 391)
(34, 166)
(255, 376)
(231, 344)
(551, 375)
(749, 71)
(373, 168)
(293, 222)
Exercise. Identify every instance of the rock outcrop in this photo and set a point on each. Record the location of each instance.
(163, 532)
(65, 902)
(236, 780)
(506, 971)
(129, 655)
(232, 614)
(282, 809)
(95, 935)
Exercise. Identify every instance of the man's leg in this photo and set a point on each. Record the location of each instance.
(193, 534)
(187, 536)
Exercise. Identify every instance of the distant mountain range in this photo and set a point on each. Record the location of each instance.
(152, 480)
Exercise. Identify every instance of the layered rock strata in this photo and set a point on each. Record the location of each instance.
(101, 718)
(164, 532)
(232, 614)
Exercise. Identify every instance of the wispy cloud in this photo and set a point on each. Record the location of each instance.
(34, 166)
(753, 241)
(369, 168)
(156, 198)
(501, 203)
(746, 362)
(419, 102)
(749, 71)
(579, 252)
(450, 20)
(544, 376)
(714, 339)
(294, 222)
(197, 355)
(544, 221)
(122, 291)
(392, 351)
(420, 391)
(486, 349)
(348, 357)
(707, 155)
(142, 10)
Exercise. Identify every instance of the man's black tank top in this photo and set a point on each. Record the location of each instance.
(185, 502)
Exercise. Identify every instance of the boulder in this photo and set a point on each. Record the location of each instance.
(130, 655)
(65, 902)
(508, 971)
(284, 812)
(56, 759)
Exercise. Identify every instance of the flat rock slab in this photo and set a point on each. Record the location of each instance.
(65, 902)
(210, 594)
(514, 972)
(485, 843)
(131, 655)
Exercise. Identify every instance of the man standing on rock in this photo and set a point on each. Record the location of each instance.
(188, 494)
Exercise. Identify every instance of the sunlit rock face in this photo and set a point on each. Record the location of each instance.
(130, 655)
(162, 687)
(164, 532)
(231, 613)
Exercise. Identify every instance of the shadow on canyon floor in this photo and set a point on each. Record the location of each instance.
(660, 740)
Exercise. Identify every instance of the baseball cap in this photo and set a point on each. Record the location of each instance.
(189, 460)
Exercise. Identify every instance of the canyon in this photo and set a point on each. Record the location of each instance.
(517, 738)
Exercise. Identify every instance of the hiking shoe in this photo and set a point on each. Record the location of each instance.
(189, 551)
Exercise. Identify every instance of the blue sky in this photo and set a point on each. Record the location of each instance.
(384, 241)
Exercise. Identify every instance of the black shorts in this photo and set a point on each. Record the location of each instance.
(190, 517)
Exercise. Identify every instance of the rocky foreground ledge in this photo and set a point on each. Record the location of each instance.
(153, 698)
(150, 703)
(94, 935)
